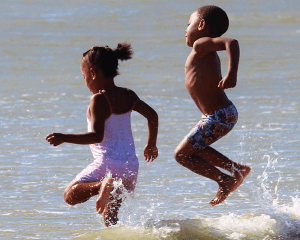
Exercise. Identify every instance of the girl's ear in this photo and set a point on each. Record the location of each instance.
(201, 25)
(93, 73)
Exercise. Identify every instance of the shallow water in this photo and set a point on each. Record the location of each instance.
(42, 91)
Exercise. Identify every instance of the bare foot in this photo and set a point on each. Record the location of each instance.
(228, 186)
(104, 195)
(240, 174)
(225, 188)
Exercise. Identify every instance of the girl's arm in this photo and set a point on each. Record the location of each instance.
(207, 45)
(150, 150)
(98, 112)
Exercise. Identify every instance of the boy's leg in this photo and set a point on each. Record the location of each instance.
(219, 160)
(204, 162)
(77, 192)
(189, 157)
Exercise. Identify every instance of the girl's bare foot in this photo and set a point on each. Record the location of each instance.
(104, 195)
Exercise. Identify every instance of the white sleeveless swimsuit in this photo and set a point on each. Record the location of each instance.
(115, 154)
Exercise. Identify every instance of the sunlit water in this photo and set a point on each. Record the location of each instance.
(42, 91)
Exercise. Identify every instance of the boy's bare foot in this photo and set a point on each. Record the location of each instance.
(226, 187)
(241, 174)
(104, 195)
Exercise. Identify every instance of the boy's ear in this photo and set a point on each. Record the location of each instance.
(201, 24)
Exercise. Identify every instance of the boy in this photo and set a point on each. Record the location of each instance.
(206, 86)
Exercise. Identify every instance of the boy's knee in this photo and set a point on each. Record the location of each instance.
(178, 155)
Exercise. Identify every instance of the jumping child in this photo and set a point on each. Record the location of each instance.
(206, 86)
(109, 133)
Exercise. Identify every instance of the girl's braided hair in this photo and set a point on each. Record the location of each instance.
(107, 59)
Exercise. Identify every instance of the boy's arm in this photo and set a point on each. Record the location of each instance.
(98, 114)
(207, 45)
(150, 150)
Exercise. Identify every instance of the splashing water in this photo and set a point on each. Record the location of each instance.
(269, 181)
(271, 221)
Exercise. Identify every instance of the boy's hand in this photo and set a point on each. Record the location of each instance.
(229, 81)
(55, 139)
(150, 153)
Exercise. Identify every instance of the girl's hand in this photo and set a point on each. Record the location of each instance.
(150, 153)
(55, 139)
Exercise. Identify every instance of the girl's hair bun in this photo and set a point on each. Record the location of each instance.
(123, 51)
(107, 59)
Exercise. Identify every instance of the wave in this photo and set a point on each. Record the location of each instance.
(283, 224)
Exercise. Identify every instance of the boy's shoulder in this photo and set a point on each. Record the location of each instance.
(203, 46)
(206, 45)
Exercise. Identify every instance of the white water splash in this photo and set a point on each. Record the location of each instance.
(267, 193)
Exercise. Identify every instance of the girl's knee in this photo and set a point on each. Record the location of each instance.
(69, 195)
(69, 192)
(68, 198)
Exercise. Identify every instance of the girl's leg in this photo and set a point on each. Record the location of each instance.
(104, 195)
(80, 192)
(110, 213)
(106, 204)
(77, 192)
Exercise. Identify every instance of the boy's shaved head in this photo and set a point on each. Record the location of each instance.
(216, 19)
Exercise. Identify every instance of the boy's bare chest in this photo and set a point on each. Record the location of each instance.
(199, 69)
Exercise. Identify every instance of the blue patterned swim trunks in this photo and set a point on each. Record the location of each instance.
(212, 127)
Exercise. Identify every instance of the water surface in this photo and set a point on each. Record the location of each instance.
(42, 91)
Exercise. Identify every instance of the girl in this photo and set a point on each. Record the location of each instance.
(109, 133)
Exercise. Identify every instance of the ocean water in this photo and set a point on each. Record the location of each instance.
(42, 91)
